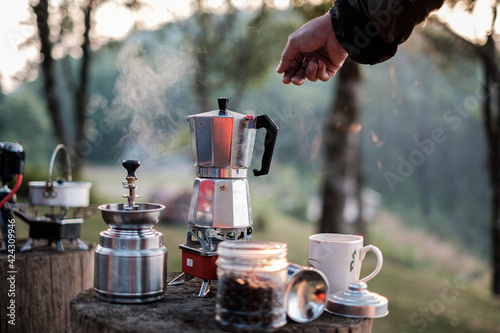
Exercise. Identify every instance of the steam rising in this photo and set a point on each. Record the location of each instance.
(144, 104)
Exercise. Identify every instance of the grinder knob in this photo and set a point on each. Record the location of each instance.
(131, 166)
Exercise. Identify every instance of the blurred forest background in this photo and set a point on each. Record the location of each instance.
(418, 138)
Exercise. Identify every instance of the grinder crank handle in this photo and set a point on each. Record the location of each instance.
(131, 166)
(264, 121)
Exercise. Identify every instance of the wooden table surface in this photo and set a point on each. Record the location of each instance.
(181, 311)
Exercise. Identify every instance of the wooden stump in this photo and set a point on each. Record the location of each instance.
(41, 283)
(180, 312)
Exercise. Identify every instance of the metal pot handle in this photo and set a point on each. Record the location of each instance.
(52, 159)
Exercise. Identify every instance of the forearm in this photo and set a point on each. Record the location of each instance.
(371, 30)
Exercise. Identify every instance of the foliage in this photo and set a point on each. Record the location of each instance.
(23, 119)
(142, 91)
(444, 183)
(244, 44)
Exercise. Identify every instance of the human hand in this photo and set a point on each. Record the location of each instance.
(312, 52)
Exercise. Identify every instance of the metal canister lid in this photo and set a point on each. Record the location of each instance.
(357, 302)
(305, 293)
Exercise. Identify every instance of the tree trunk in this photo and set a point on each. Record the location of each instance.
(74, 140)
(339, 162)
(492, 130)
(42, 13)
(182, 312)
(81, 92)
(42, 282)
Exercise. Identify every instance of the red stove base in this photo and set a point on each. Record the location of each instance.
(199, 263)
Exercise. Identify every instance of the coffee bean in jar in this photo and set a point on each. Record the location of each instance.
(251, 290)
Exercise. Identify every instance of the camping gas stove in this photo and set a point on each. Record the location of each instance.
(65, 204)
(11, 166)
(199, 253)
(57, 225)
(222, 142)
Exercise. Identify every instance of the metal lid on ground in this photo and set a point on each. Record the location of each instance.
(357, 302)
(305, 295)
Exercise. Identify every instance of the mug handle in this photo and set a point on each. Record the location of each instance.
(380, 260)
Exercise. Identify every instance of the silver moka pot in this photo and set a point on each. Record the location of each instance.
(130, 260)
(223, 142)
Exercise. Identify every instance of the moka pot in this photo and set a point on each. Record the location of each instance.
(223, 143)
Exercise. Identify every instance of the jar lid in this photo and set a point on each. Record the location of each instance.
(357, 302)
(252, 255)
(305, 293)
(252, 249)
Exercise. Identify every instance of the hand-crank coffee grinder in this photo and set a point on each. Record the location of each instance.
(222, 142)
(130, 260)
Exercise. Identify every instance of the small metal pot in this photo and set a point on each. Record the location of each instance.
(60, 192)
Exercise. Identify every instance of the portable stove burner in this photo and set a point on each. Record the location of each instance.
(53, 227)
(199, 254)
(62, 195)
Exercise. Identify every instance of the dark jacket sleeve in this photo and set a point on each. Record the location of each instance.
(371, 30)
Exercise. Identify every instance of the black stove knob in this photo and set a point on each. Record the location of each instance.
(131, 166)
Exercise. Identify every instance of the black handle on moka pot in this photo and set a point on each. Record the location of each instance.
(264, 121)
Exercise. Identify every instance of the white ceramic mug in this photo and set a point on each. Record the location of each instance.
(339, 257)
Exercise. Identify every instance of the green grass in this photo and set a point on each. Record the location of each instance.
(420, 301)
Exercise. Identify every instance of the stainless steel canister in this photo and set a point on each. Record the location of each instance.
(130, 266)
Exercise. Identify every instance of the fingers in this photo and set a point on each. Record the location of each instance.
(317, 70)
(299, 70)
(296, 74)
(312, 71)
(289, 55)
(283, 66)
(300, 76)
(293, 70)
(323, 73)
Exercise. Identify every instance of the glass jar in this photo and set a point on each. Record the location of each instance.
(251, 288)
